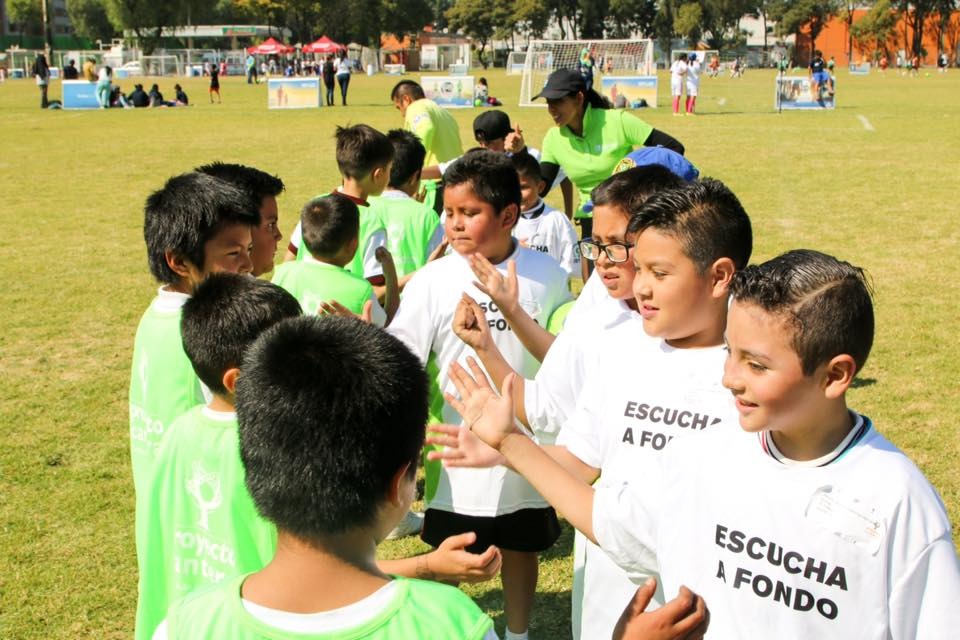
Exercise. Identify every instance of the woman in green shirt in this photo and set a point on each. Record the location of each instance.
(590, 138)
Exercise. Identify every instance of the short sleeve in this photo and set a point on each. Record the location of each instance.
(635, 130)
(923, 600)
(377, 315)
(371, 267)
(549, 153)
(296, 237)
(422, 126)
(412, 324)
(624, 526)
(581, 434)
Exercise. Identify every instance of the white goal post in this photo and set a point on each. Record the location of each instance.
(609, 57)
(167, 65)
(515, 62)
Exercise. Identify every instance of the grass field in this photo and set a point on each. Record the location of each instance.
(880, 193)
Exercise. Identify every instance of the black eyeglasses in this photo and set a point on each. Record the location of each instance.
(616, 251)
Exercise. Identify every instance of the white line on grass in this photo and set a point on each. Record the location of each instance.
(866, 123)
(721, 101)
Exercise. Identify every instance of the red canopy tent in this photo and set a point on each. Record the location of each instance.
(323, 45)
(269, 47)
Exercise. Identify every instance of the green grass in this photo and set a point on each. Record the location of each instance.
(75, 283)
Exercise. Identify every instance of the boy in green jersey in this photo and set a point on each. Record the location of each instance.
(331, 414)
(201, 523)
(330, 226)
(414, 233)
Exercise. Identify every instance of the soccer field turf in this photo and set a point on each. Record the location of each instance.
(873, 182)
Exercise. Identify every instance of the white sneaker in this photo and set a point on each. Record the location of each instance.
(411, 524)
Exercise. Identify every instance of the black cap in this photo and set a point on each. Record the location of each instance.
(561, 84)
(491, 125)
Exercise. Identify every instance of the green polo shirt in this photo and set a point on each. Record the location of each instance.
(608, 135)
(437, 130)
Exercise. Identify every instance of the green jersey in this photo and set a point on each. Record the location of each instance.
(418, 609)
(163, 384)
(608, 135)
(437, 130)
(372, 234)
(412, 229)
(200, 523)
(312, 282)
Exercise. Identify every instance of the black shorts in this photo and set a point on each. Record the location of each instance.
(531, 530)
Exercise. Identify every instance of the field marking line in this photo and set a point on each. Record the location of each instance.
(866, 123)
(721, 101)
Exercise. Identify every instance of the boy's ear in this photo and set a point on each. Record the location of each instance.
(230, 379)
(838, 375)
(395, 491)
(509, 215)
(721, 273)
(177, 263)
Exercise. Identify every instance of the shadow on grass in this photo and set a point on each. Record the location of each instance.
(551, 613)
(863, 382)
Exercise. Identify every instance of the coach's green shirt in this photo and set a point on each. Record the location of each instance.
(608, 135)
(419, 610)
(437, 130)
(410, 225)
(312, 282)
(201, 526)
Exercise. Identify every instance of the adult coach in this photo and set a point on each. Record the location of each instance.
(435, 127)
(590, 138)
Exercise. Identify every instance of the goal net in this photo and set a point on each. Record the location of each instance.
(607, 57)
(515, 62)
(161, 65)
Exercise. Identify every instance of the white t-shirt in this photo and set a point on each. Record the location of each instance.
(640, 394)
(693, 73)
(423, 322)
(548, 231)
(343, 67)
(678, 69)
(857, 548)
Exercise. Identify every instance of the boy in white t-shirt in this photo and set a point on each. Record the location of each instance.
(678, 70)
(806, 523)
(482, 202)
(541, 227)
(693, 83)
(309, 387)
(687, 243)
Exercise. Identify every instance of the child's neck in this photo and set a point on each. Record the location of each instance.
(536, 203)
(710, 335)
(822, 432)
(501, 252)
(223, 404)
(358, 189)
(182, 285)
(299, 577)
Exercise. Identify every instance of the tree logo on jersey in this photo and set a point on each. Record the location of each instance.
(204, 486)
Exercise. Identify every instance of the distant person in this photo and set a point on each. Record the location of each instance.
(214, 84)
(223, 68)
(736, 71)
(329, 81)
(70, 72)
(156, 98)
(41, 71)
(678, 72)
(90, 70)
(585, 65)
(103, 86)
(252, 69)
(182, 99)
(818, 76)
(942, 62)
(343, 78)
(714, 66)
(693, 83)
(138, 97)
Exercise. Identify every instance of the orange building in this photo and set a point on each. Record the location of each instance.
(835, 40)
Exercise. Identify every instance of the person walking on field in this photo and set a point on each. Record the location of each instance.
(343, 77)
(328, 79)
(41, 71)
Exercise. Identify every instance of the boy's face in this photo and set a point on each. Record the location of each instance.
(673, 297)
(609, 226)
(529, 191)
(229, 250)
(472, 224)
(266, 237)
(765, 374)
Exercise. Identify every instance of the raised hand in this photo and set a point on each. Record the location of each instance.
(334, 308)
(470, 324)
(488, 415)
(451, 562)
(461, 448)
(503, 290)
(515, 142)
(684, 618)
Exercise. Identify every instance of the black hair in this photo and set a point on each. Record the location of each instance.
(595, 100)
(408, 156)
(629, 189)
(360, 150)
(526, 165)
(406, 88)
(705, 217)
(682, 56)
(328, 223)
(259, 184)
(189, 210)
(224, 316)
(491, 176)
(826, 300)
(330, 409)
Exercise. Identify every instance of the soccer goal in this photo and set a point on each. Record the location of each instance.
(614, 58)
(515, 62)
(161, 65)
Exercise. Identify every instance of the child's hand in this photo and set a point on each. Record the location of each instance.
(685, 617)
(334, 308)
(421, 193)
(504, 291)
(514, 142)
(451, 562)
(462, 448)
(485, 413)
(470, 324)
(385, 259)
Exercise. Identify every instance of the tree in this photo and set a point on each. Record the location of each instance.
(813, 14)
(90, 20)
(531, 16)
(28, 17)
(872, 31)
(147, 18)
(686, 22)
(480, 21)
(628, 16)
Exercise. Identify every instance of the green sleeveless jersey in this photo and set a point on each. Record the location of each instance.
(420, 610)
(312, 282)
(163, 384)
(200, 523)
(410, 227)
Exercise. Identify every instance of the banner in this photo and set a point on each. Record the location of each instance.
(452, 92)
(631, 89)
(860, 69)
(79, 94)
(293, 93)
(795, 93)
